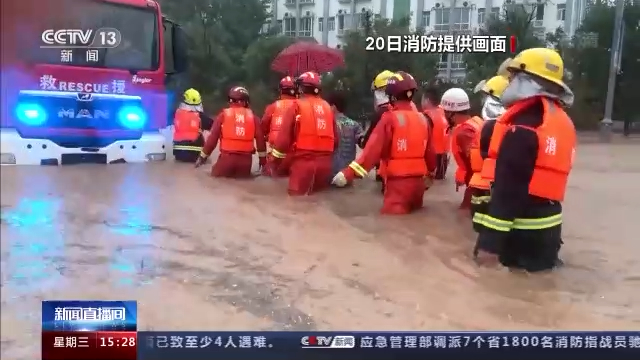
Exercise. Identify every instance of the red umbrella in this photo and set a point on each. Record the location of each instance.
(306, 56)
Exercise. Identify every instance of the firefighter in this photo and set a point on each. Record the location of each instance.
(189, 123)
(531, 154)
(492, 108)
(401, 142)
(272, 121)
(455, 103)
(240, 135)
(380, 106)
(430, 103)
(310, 124)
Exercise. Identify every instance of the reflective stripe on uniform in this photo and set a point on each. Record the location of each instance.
(480, 199)
(519, 224)
(278, 154)
(187, 147)
(358, 169)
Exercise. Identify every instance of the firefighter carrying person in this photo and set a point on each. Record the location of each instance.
(189, 123)
(272, 122)
(401, 142)
(309, 124)
(456, 106)
(531, 155)
(380, 106)
(480, 187)
(430, 103)
(240, 135)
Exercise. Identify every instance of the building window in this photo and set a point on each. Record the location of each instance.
(561, 13)
(363, 19)
(540, 12)
(457, 62)
(481, 16)
(340, 22)
(289, 26)
(320, 24)
(426, 18)
(331, 24)
(306, 26)
(461, 19)
(280, 28)
(495, 13)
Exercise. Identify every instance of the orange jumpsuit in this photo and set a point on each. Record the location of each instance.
(441, 139)
(234, 163)
(464, 135)
(311, 159)
(271, 125)
(403, 193)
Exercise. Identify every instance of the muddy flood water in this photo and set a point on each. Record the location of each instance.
(199, 253)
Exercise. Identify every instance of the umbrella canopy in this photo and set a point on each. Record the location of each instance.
(307, 56)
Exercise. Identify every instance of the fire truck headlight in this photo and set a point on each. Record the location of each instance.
(31, 114)
(132, 117)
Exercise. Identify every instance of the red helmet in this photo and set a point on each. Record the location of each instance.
(238, 93)
(309, 79)
(400, 84)
(287, 83)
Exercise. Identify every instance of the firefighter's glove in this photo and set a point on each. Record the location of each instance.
(428, 182)
(459, 185)
(340, 180)
(200, 161)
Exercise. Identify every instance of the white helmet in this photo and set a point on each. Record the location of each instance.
(455, 100)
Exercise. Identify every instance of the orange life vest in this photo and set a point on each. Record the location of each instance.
(557, 141)
(476, 165)
(475, 123)
(440, 135)
(315, 125)
(408, 145)
(186, 125)
(238, 130)
(281, 107)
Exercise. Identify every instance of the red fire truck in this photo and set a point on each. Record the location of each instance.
(69, 104)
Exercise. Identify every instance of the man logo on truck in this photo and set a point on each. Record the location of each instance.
(82, 114)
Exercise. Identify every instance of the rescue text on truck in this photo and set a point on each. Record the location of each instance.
(104, 105)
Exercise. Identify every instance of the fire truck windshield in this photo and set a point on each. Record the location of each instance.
(138, 49)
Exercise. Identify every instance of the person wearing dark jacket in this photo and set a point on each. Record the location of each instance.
(532, 150)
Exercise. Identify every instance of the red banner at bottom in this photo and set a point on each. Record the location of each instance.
(89, 345)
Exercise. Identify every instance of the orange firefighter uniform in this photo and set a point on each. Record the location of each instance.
(271, 125)
(463, 137)
(530, 155)
(400, 142)
(240, 135)
(310, 125)
(188, 139)
(441, 139)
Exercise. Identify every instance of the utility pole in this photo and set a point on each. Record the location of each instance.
(616, 49)
(450, 55)
(298, 20)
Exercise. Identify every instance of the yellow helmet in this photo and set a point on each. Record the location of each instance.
(542, 62)
(192, 97)
(380, 80)
(495, 86)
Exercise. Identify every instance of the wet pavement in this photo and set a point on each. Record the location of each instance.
(204, 254)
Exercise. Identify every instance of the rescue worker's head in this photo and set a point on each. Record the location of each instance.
(456, 106)
(338, 102)
(401, 87)
(238, 95)
(537, 72)
(191, 100)
(430, 98)
(492, 91)
(287, 86)
(378, 86)
(308, 83)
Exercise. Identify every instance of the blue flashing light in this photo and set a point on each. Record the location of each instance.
(132, 117)
(31, 114)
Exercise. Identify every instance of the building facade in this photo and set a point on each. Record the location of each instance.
(328, 20)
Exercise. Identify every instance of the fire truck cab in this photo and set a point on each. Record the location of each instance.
(67, 104)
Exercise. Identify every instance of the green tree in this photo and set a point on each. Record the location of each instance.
(513, 20)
